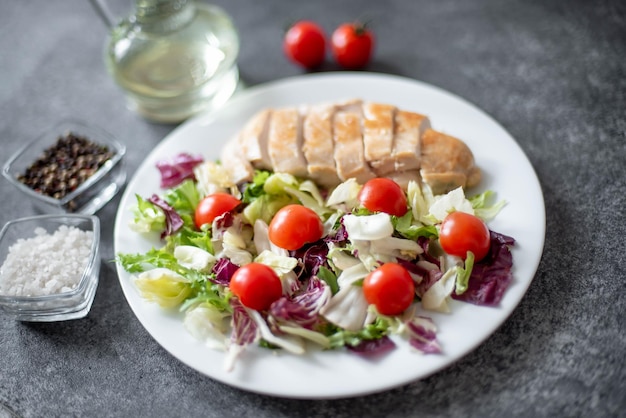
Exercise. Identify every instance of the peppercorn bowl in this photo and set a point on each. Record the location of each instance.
(70, 168)
(50, 266)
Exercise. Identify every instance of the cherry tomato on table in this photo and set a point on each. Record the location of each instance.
(214, 205)
(352, 45)
(256, 285)
(461, 232)
(305, 44)
(295, 225)
(390, 288)
(383, 195)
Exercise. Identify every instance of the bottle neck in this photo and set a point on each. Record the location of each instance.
(163, 15)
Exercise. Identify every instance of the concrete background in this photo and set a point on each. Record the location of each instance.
(553, 73)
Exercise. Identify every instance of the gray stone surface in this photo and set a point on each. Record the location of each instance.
(553, 73)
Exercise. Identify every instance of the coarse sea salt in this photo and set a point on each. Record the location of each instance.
(46, 263)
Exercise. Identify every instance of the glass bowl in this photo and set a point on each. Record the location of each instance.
(90, 195)
(33, 267)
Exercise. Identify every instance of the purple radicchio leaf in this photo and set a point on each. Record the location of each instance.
(225, 220)
(224, 270)
(371, 348)
(178, 169)
(340, 236)
(310, 258)
(245, 330)
(422, 335)
(432, 276)
(416, 270)
(173, 221)
(427, 277)
(492, 275)
(221, 224)
(302, 308)
(424, 242)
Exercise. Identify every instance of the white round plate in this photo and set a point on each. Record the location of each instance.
(335, 374)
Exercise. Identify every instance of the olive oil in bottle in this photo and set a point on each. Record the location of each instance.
(174, 58)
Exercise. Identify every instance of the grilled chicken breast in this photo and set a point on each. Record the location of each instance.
(332, 142)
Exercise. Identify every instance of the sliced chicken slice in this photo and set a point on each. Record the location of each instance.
(409, 129)
(318, 145)
(349, 154)
(253, 140)
(284, 143)
(447, 163)
(378, 133)
(404, 177)
(238, 167)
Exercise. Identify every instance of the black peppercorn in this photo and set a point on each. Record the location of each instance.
(65, 166)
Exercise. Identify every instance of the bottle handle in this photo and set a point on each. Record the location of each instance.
(103, 12)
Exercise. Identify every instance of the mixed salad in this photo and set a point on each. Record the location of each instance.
(285, 264)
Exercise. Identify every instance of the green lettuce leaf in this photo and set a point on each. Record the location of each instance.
(340, 337)
(161, 258)
(329, 278)
(483, 207)
(206, 292)
(184, 198)
(407, 228)
(188, 235)
(255, 189)
(463, 274)
(147, 217)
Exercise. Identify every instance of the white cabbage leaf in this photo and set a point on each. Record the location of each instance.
(314, 336)
(290, 343)
(279, 263)
(194, 258)
(348, 307)
(369, 227)
(345, 194)
(420, 199)
(209, 325)
(212, 178)
(453, 201)
(435, 298)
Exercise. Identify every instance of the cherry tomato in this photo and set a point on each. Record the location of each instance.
(352, 45)
(461, 232)
(383, 195)
(305, 44)
(214, 205)
(295, 225)
(390, 288)
(256, 285)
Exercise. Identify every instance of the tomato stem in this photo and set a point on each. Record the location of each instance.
(361, 26)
